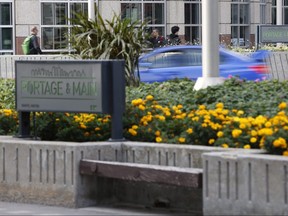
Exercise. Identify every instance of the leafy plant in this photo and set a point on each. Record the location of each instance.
(110, 39)
(7, 96)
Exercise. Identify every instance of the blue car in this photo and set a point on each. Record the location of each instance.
(185, 61)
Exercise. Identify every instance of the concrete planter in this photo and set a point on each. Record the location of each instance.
(242, 183)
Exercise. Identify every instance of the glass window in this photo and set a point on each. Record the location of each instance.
(152, 11)
(56, 23)
(131, 11)
(6, 28)
(240, 20)
(193, 21)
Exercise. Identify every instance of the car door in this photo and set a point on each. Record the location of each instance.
(170, 65)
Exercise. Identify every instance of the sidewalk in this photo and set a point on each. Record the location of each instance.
(7, 208)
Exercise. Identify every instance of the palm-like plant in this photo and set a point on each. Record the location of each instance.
(114, 39)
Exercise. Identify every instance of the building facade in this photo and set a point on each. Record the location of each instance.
(238, 19)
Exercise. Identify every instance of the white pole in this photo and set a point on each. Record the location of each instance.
(91, 9)
(210, 47)
(279, 15)
(279, 12)
(210, 39)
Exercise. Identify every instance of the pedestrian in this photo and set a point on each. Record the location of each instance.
(174, 38)
(34, 47)
(156, 39)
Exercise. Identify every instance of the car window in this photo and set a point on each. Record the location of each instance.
(167, 59)
(177, 58)
(194, 57)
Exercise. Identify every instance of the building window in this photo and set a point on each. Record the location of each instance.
(152, 11)
(240, 23)
(56, 23)
(274, 18)
(6, 28)
(193, 21)
(263, 11)
(285, 12)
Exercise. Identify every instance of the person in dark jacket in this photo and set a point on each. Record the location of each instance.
(156, 39)
(34, 47)
(174, 37)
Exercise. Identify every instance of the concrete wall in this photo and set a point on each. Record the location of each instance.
(245, 184)
(43, 172)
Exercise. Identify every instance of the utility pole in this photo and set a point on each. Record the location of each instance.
(210, 46)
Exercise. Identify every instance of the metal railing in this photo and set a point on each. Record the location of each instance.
(277, 63)
(7, 62)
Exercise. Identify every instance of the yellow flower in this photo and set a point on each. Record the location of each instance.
(86, 134)
(157, 133)
(141, 107)
(158, 139)
(97, 128)
(211, 141)
(132, 132)
(83, 126)
(195, 118)
(204, 125)
(236, 133)
(240, 112)
(242, 126)
(135, 127)
(7, 112)
(225, 145)
(167, 113)
(202, 107)
(276, 143)
(181, 139)
(149, 97)
(254, 133)
(268, 124)
(253, 139)
(282, 105)
(247, 146)
(220, 134)
(220, 105)
(189, 130)
(285, 153)
(136, 102)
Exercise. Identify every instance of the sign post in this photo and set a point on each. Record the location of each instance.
(88, 86)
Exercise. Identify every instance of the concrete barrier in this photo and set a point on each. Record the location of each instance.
(44, 172)
(235, 182)
(238, 183)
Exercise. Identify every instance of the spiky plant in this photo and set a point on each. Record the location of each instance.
(110, 39)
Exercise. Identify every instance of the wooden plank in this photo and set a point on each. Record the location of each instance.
(187, 177)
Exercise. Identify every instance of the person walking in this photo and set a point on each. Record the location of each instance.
(34, 47)
(174, 37)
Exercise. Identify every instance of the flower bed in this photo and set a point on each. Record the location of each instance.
(225, 115)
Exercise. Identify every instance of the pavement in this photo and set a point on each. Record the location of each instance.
(9, 208)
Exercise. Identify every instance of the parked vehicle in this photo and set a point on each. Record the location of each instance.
(185, 61)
